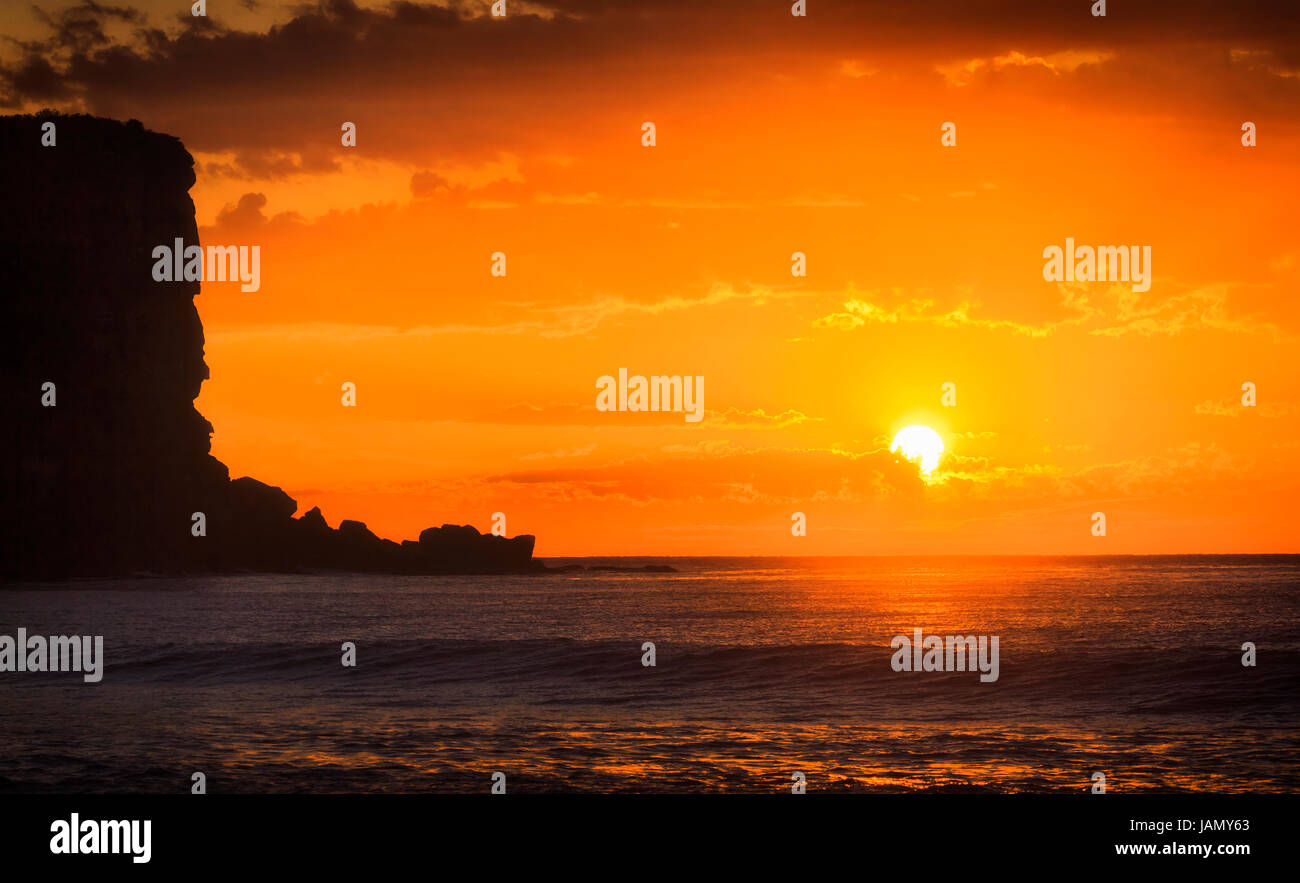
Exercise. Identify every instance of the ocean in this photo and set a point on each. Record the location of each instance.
(764, 667)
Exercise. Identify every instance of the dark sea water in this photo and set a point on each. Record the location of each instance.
(765, 667)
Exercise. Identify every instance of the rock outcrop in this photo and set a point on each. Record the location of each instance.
(106, 481)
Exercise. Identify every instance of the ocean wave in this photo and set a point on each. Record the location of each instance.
(1157, 681)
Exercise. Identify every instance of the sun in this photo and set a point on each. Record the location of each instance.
(919, 443)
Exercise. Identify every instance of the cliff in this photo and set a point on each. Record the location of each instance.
(105, 481)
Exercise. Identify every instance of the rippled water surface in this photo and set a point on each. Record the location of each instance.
(1129, 666)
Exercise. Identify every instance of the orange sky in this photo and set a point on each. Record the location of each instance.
(775, 134)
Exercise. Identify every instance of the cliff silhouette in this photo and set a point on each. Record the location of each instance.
(105, 482)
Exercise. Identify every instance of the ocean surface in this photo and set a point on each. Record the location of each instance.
(1130, 666)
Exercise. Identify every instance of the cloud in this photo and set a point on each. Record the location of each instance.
(1204, 308)
(858, 312)
(961, 73)
(724, 472)
(1232, 407)
(581, 319)
(565, 453)
(1186, 469)
(426, 185)
(553, 414)
(759, 417)
(470, 77)
(1114, 312)
(246, 217)
(570, 414)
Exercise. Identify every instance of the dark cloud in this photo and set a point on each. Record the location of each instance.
(80, 29)
(247, 214)
(275, 164)
(37, 79)
(247, 217)
(425, 185)
(475, 79)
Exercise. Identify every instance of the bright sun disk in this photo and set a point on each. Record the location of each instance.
(919, 443)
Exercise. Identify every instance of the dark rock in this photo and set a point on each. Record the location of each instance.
(356, 531)
(314, 522)
(260, 501)
(107, 482)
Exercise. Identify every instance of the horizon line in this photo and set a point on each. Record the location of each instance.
(964, 555)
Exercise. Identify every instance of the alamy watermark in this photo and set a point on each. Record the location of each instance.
(218, 263)
(947, 653)
(662, 393)
(82, 653)
(1105, 263)
(76, 836)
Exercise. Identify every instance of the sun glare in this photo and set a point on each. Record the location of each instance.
(919, 443)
